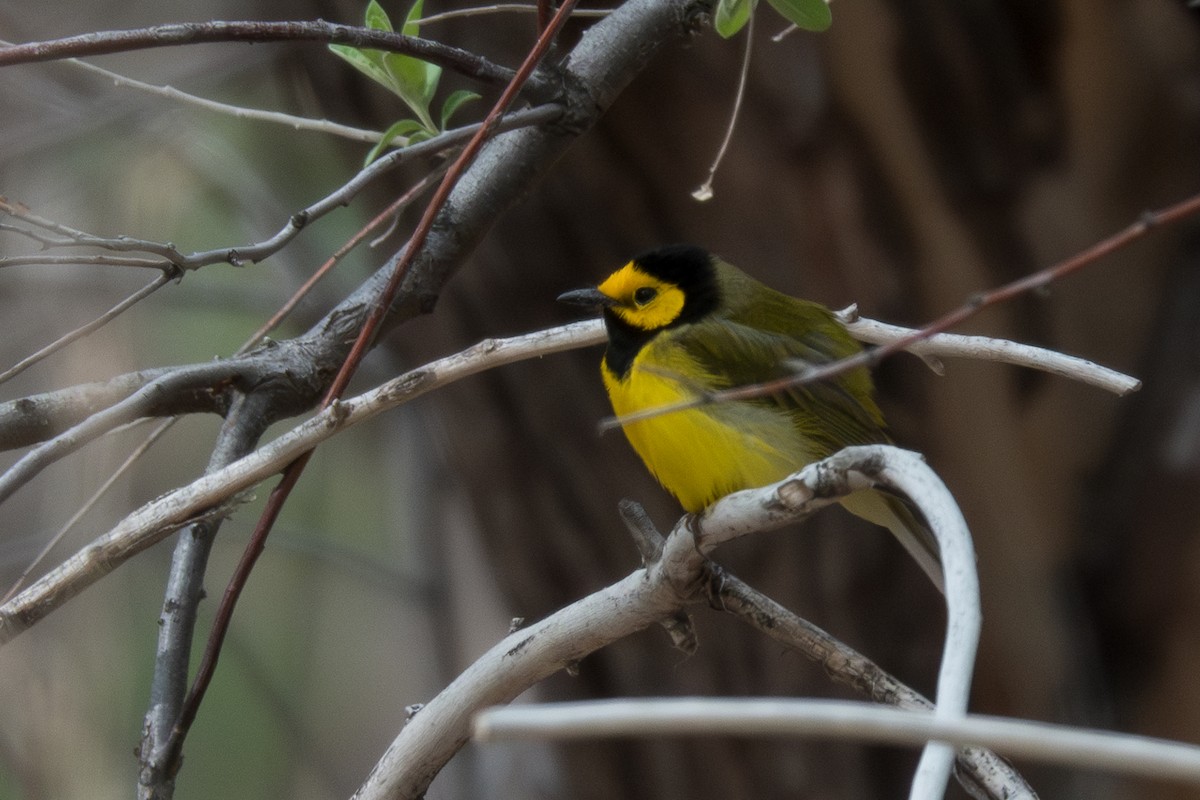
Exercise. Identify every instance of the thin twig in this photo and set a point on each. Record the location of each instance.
(987, 348)
(84, 330)
(340, 197)
(704, 192)
(97, 260)
(992, 777)
(983, 348)
(870, 358)
(344, 194)
(391, 211)
(87, 506)
(498, 8)
(322, 126)
(72, 237)
(783, 34)
(176, 34)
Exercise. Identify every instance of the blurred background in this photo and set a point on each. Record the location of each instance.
(913, 155)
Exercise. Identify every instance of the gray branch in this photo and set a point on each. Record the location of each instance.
(104, 42)
(244, 424)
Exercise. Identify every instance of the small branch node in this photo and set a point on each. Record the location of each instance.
(647, 538)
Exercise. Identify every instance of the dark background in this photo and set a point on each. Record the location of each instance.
(913, 155)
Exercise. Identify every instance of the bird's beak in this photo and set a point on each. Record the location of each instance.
(589, 298)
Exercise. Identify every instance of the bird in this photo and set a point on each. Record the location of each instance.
(682, 324)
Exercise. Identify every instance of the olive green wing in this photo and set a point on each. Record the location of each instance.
(831, 414)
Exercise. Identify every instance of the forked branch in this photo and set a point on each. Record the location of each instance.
(679, 578)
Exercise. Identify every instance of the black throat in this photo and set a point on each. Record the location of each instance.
(624, 342)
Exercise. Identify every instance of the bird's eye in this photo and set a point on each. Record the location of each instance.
(644, 295)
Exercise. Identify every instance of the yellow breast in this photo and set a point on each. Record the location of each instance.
(705, 453)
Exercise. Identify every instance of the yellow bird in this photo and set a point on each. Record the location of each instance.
(683, 323)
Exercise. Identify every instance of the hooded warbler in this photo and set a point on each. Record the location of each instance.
(682, 323)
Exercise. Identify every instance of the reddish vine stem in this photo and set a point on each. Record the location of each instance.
(392, 210)
(291, 474)
(871, 357)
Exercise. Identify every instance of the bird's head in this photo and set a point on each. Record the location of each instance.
(658, 289)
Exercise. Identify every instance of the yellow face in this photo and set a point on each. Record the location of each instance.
(642, 300)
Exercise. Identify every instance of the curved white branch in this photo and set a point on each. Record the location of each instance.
(842, 719)
(661, 589)
(989, 349)
(907, 473)
(866, 467)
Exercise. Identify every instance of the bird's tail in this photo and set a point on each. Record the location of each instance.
(894, 514)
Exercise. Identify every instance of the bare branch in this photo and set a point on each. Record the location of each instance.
(1037, 741)
(258, 251)
(38, 417)
(87, 506)
(164, 761)
(942, 345)
(986, 776)
(174, 35)
(866, 467)
(499, 8)
(94, 260)
(292, 121)
(131, 408)
(147, 525)
(983, 773)
(83, 330)
(648, 595)
(72, 237)
(243, 426)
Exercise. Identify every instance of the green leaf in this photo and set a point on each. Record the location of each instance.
(376, 18)
(453, 102)
(368, 62)
(415, 80)
(811, 15)
(732, 16)
(405, 127)
(410, 27)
